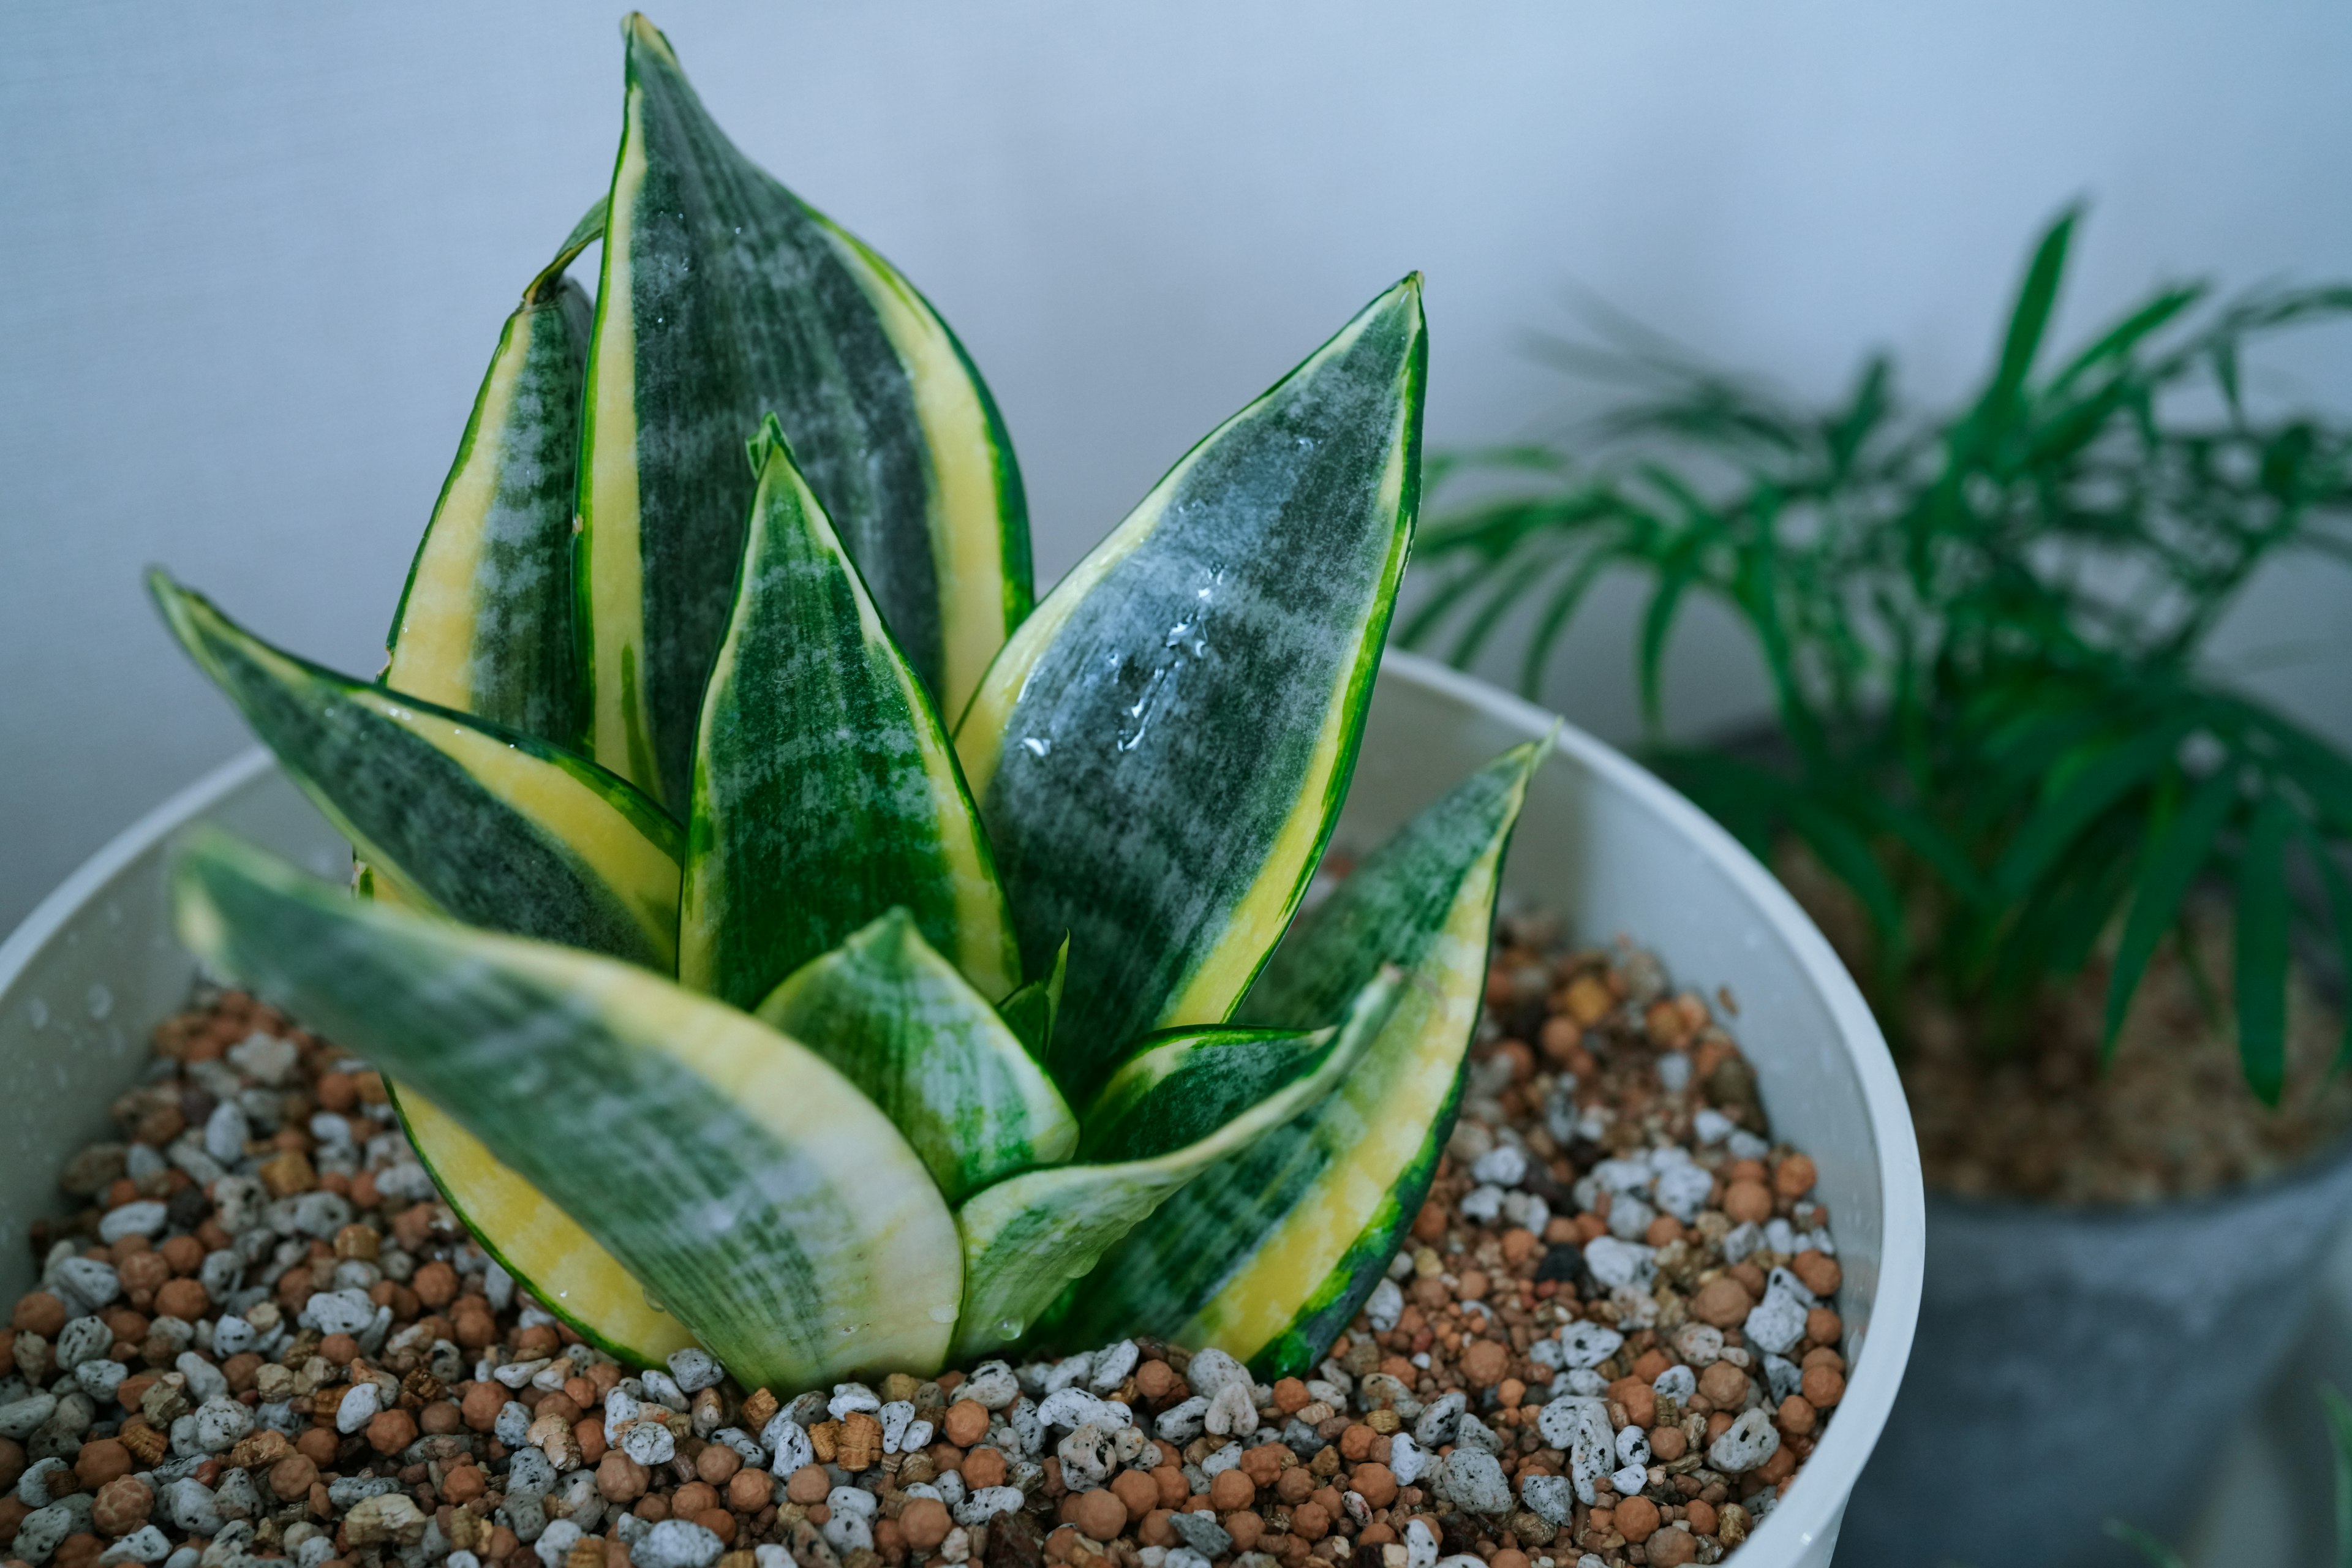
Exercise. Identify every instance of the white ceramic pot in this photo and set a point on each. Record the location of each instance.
(1603, 842)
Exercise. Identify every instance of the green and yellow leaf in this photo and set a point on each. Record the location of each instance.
(900, 1023)
(1268, 1253)
(1161, 749)
(825, 789)
(484, 624)
(1024, 1240)
(1184, 1084)
(1033, 1008)
(742, 1180)
(453, 814)
(723, 297)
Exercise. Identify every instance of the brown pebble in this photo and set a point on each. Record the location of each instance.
(750, 1490)
(620, 1478)
(966, 1423)
(1296, 1485)
(1667, 1444)
(184, 1254)
(440, 1418)
(718, 1464)
(390, 1431)
(291, 1479)
(1310, 1521)
(1724, 1385)
(1823, 1326)
(654, 1507)
(1640, 1400)
(1155, 1530)
(1823, 1386)
(1795, 1176)
(1636, 1519)
(1376, 1481)
(810, 1483)
(1100, 1516)
(480, 1405)
(1673, 1549)
(1154, 1378)
(1722, 1301)
(693, 1500)
(319, 1444)
(1483, 1363)
(1229, 1490)
(1818, 1272)
(983, 1468)
(1244, 1526)
(121, 1505)
(925, 1523)
(1137, 1492)
(1507, 1558)
(1796, 1417)
(101, 1460)
(38, 1312)
(1748, 1203)
(1173, 1487)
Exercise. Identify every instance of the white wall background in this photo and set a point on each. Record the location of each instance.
(253, 257)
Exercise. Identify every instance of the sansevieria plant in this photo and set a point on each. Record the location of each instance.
(730, 993)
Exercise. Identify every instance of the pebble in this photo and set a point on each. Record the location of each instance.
(675, 1543)
(1473, 1481)
(1747, 1442)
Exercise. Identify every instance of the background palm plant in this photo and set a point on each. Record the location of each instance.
(1982, 630)
(730, 995)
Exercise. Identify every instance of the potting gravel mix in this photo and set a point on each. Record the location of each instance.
(1612, 1337)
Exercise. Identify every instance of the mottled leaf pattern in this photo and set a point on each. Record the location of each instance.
(1159, 752)
(745, 1183)
(723, 298)
(825, 790)
(900, 1023)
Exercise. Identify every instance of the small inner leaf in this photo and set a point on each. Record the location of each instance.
(900, 1023)
(825, 790)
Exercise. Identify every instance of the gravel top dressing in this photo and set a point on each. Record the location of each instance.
(1611, 1339)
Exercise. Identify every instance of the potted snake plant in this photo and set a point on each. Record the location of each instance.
(782, 933)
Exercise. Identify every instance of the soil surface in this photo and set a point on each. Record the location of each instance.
(1610, 1339)
(2169, 1117)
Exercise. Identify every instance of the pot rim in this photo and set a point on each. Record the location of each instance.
(1809, 1513)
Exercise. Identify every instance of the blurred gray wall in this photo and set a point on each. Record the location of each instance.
(252, 259)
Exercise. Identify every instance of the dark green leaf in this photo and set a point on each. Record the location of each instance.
(2178, 851)
(2263, 915)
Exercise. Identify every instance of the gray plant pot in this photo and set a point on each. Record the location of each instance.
(2076, 1365)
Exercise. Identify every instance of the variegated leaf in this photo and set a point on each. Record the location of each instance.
(742, 1180)
(451, 813)
(900, 1023)
(723, 297)
(825, 789)
(1161, 749)
(1268, 1253)
(484, 624)
(1027, 1240)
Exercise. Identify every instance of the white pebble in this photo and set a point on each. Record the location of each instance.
(1505, 1165)
(1675, 1382)
(848, 1397)
(1113, 1366)
(145, 1218)
(1747, 1443)
(1628, 1217)
(1585, 1343)
(357, 1409)
(556, 1542)
(993, 1386)
(1177, 1424)
(264, 1058)
(1231, 1413)
(985, 1504)
(1776, 1323)
(695, 1369)
(1616, 1262)
(1675, 1071)
(206, 1380)
(1630, 1480)
(1633, 1447)
(675, 1544)
(225, 1131)
(1552, 1499)
(82, 1340)
(1682, 1191)
(1483, 1204)
(1211, 1370)
(1420, 1545)
(144, 1544)
(1384, 1306)
(1746, 1146)
(1406, 1461)
(1742, 1241)
(648, 1442)
(787, 1442)
(1712, 1126)
(1527, 1211)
